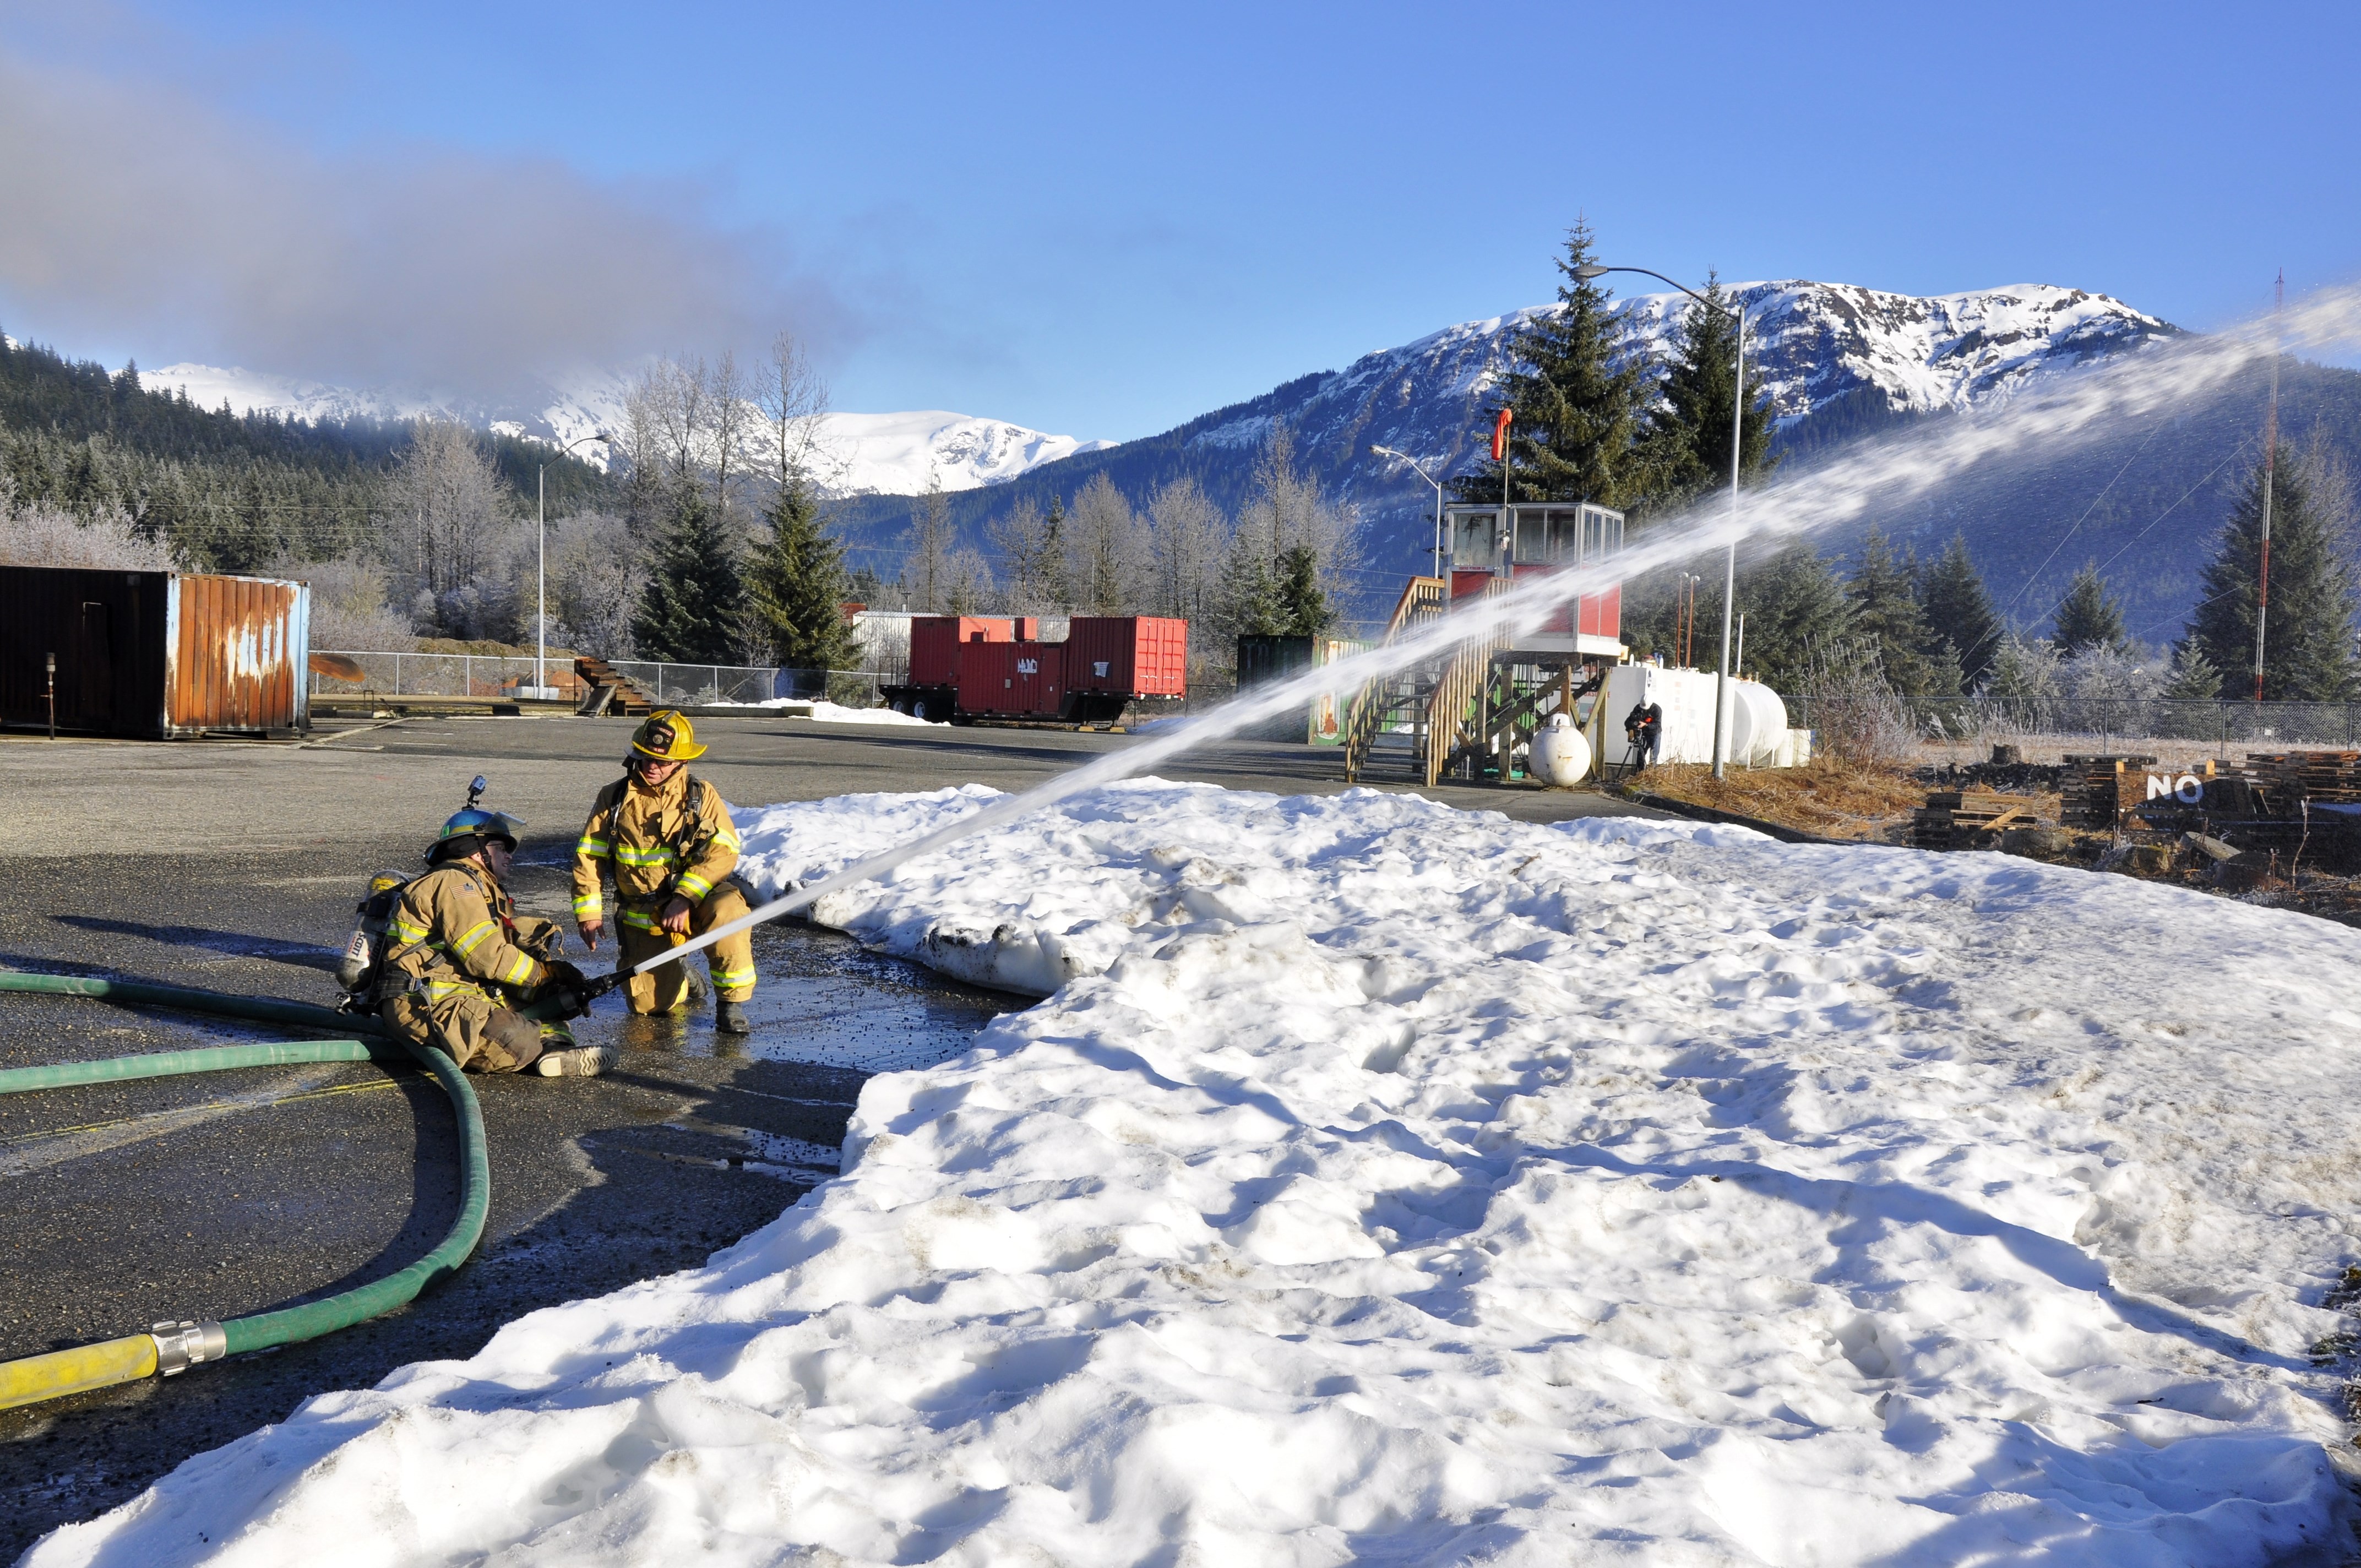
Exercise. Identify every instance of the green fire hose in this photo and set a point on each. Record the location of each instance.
(173, 1347)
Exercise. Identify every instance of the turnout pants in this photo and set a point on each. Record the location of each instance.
(665, 989)
(478, 1033)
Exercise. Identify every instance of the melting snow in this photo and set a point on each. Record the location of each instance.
(1384, 1182)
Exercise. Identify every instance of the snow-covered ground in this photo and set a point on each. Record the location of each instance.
(826, 712)
(1388, 1183)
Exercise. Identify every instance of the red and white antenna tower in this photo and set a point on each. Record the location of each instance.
(2270, 457)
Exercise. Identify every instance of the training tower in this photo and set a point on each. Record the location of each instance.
(1471, 702)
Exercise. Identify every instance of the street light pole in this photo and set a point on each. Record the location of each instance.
(1389, 452)
(541, 571)
(1730, 563)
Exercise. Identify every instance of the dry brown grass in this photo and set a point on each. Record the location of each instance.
(1826, 797)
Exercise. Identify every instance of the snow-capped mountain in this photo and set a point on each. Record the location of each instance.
(1812, 343)
(862, 453)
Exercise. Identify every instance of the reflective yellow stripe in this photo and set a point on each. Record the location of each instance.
(473, 934)
(659, 855)
(595, 847)
(638, 920)
(731, 978)
(439, 989)
(586, 907)
(693, 887)
(726, 839)
(408, 933)
(519, 971)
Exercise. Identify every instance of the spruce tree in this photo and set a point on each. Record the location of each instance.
(1302, 609)
(1689, 435)
(1886, 612)
(1578, 418)
(1795, 609)
(1959, 610)
(2193, 677)
(796, 586)
(1250, 599)
(2088, 617)
(694, 603)
(2307, 633)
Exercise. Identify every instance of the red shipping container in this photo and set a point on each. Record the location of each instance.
(935, 640)
(1012, 679)
(1135, 655)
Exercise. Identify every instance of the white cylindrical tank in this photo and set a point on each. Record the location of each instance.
(1756, 740)
(1560, 755)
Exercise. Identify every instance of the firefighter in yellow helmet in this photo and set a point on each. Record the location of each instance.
(666, 838)
(458, 959)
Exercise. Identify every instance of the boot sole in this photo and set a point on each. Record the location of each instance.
(582, 1062)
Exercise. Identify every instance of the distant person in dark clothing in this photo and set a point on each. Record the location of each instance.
(1644, 727)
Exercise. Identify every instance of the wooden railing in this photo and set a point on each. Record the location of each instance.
(1423, 598)
(1465, 681)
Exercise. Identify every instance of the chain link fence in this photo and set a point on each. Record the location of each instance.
(507, 678)
(2105, 724)
(494, 676)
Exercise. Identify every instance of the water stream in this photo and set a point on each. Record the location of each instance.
(1887, 473)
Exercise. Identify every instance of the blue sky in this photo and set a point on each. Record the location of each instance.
(1103, 221)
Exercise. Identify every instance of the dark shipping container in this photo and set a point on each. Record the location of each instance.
(154, 655)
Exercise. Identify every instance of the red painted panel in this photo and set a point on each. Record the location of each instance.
(935, 640)
(1469, 584)
(1135, 655)
(1012, 679)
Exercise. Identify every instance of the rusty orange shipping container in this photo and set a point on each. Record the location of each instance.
(157, 654)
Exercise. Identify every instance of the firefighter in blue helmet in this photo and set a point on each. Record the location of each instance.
(459, 960)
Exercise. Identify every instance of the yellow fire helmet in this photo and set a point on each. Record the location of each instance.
(666, 737)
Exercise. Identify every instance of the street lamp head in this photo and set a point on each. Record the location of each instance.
(1590, 269)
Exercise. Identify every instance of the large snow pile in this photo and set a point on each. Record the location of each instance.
(1394, 1184)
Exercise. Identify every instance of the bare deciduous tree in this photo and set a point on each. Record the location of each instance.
(926, 568)
(1190, 540)
(1286, 510)
(34, 533)
(1107, 559)
(442, 511)
(1032, 561)
(793, 402)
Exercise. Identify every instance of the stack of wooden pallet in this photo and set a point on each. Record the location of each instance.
(2100, 792)
(1967, 819)
(2323, 778)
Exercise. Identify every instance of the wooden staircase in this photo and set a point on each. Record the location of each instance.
(611, 692)
(1461, 704)
(1388, 714)
(1458, 721)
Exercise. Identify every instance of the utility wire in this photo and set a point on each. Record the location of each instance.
(2079, 521)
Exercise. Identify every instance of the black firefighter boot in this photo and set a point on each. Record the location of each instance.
(730, 1018)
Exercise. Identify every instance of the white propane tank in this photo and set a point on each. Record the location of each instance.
(1561, 754)
(1757, 745)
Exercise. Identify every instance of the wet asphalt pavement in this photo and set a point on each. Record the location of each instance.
(235, 867)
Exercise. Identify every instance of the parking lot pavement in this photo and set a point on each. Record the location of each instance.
(235, 866)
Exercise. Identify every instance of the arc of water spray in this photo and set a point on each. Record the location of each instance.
(1890, 472)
